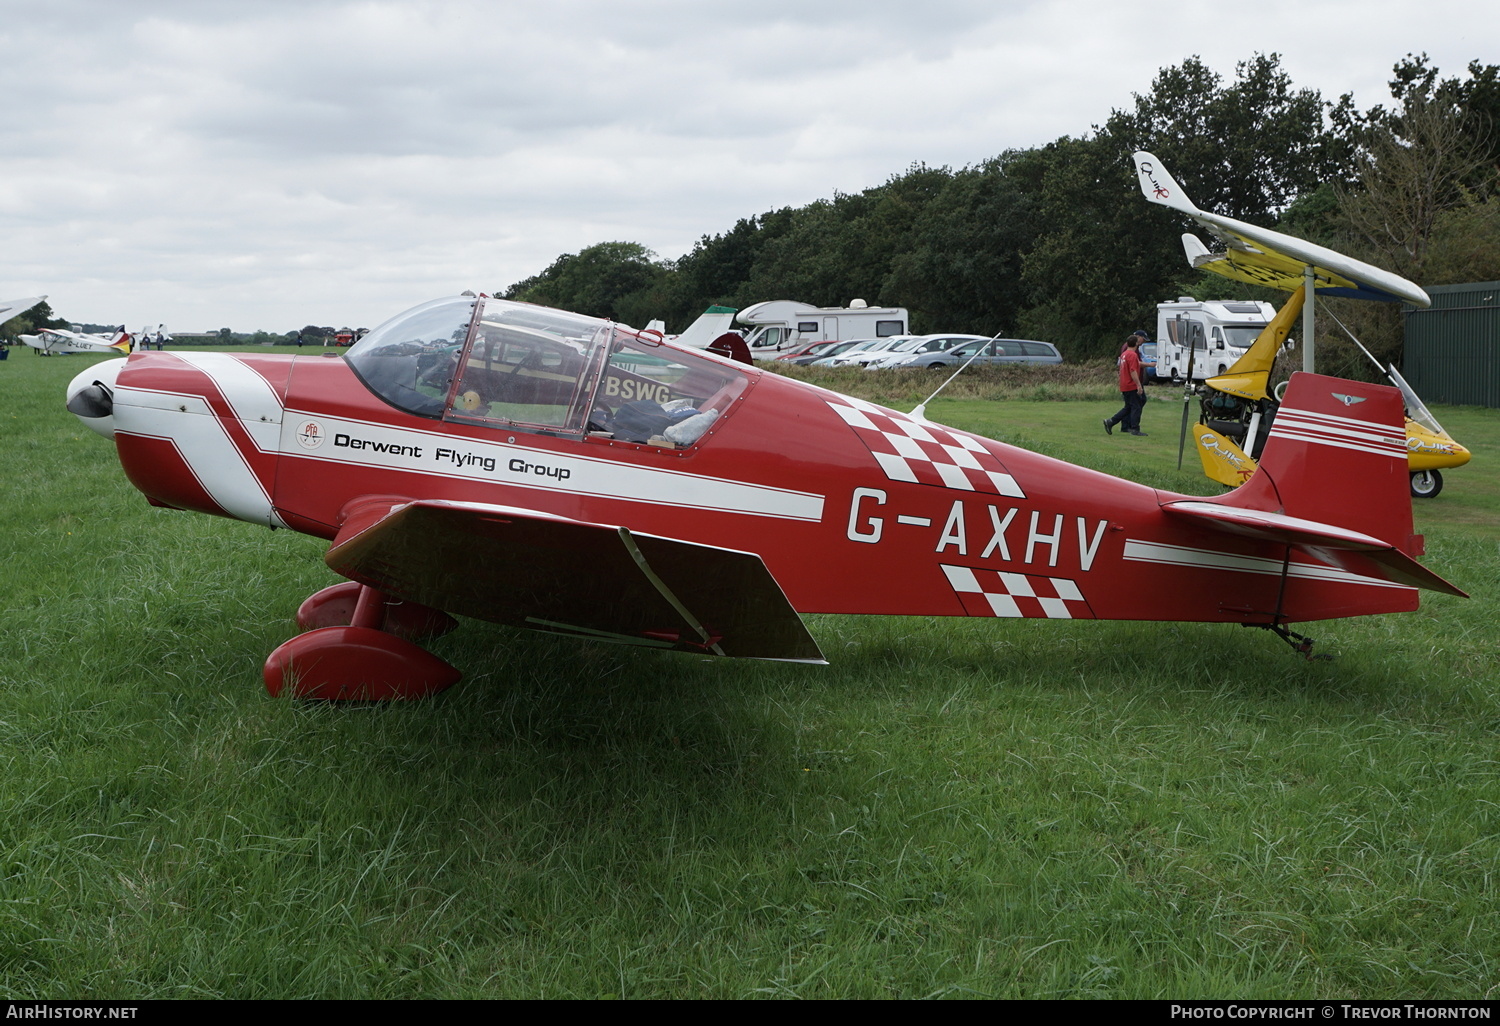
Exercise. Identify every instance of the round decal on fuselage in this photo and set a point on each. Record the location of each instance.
(310, 434)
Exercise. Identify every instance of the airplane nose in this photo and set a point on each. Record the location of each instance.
(91, 396)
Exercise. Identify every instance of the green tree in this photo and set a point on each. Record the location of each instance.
(1099, 262)
(1425, 200)
(599, 280)
(1435, 152)
(1474, 102)
(717, 269)
(959, 268)
(841, 249)
(1053, 242)
(1247, 148)
(1103, 258)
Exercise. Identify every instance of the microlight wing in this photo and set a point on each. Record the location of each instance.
(1261, 256)
(551, 573)
(16, 307)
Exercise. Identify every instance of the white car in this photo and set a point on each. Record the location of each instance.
(858, 356)
(916, 345)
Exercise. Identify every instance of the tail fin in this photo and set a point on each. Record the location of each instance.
(1159, 186)
(1337, 455)
(1337, 462)
(1333, 480)
(1249, 378)
(711, 323)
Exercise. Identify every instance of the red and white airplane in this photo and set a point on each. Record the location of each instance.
(554, 471)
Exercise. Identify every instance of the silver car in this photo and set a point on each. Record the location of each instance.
(991, 352)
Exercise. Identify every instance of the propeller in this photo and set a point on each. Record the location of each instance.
(1187, 398)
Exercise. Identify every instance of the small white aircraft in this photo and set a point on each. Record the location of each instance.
(59, 340)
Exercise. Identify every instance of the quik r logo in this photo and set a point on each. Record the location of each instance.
(1156, 187)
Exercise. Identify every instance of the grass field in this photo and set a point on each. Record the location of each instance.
(951, 808)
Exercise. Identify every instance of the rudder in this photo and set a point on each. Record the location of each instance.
(1337, 455)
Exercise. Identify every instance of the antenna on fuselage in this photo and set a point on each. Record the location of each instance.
(920, 413)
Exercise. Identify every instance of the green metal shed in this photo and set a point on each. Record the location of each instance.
(1453, 347)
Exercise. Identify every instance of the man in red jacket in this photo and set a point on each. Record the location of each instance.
(1132, 390)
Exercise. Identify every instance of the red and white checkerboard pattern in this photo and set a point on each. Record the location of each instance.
(997, 593)
(910, 450)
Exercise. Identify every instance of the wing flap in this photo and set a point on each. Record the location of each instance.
(536, 570)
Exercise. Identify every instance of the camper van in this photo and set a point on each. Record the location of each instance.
(777, 325)
(1216, 331)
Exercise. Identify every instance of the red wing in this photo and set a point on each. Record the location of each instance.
(550, 573)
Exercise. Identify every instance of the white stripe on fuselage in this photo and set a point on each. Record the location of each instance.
(187, 421)
(273, 429)
(1210, 559)
(254, 402)
(434, 452)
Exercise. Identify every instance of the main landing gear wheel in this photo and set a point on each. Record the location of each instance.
(359, 649)
(356, 664)
(1425, 484)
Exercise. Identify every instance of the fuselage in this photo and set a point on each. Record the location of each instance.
(854, 508)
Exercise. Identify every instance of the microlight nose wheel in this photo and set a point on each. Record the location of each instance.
(1425, 484)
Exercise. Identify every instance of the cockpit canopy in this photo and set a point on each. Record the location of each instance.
(530, 368)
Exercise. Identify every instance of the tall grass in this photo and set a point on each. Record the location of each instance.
(951, 808)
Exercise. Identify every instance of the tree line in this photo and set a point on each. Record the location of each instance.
(1055, 242)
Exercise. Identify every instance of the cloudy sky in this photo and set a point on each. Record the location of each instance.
(272, 163)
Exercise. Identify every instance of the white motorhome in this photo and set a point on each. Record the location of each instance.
(781, 324)
(1218, 331)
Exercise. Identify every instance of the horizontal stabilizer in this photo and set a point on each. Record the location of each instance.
(550, 573)
(1323, 540)
(1254, 523)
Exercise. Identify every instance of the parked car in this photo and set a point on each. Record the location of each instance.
(1147, 353)
(991, 351)
(820, 350)
(803, 350)
(916, 345)
(861, 354)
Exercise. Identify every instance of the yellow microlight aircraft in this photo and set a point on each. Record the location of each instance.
(1237, 406)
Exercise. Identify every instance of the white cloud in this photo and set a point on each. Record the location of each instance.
(276, 163)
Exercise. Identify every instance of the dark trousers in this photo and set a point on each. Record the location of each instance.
(1130, 414)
